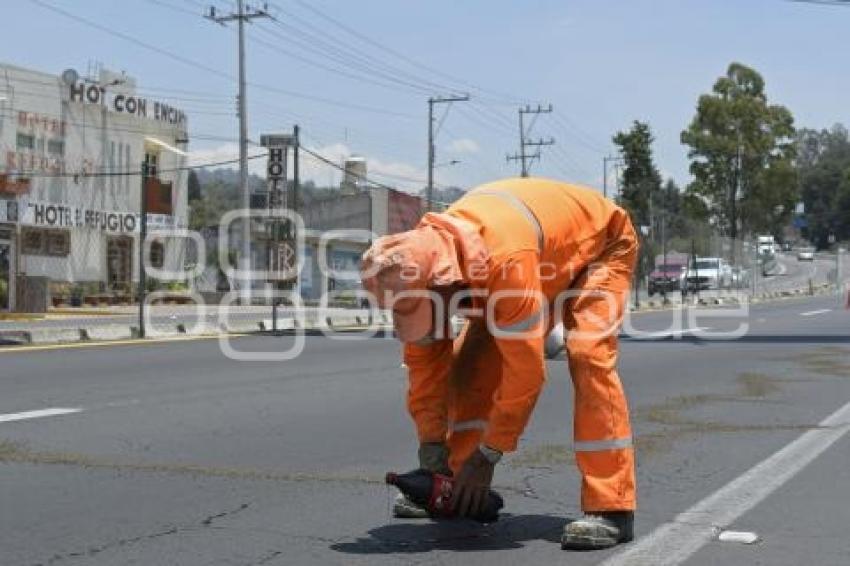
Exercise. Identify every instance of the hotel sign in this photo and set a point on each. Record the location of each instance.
(125, 103)
(52, 215)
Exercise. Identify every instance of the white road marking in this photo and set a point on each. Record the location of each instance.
(52, 412)
(812, 313)
(675, 541)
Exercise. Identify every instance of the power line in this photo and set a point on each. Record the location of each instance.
(366, 39)
(132, 173)
(584, 138)
(358, 176)
(375, 82)
(352, 52)
(843, 3)
(213, 70)
(351, 57)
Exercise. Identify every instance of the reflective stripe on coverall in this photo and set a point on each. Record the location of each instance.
(544, 237)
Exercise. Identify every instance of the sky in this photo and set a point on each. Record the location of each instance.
(362, 87)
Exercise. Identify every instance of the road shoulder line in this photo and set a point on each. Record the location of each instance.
(675, 541)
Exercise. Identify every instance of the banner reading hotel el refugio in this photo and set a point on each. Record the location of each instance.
(125, 103)
(50, 215)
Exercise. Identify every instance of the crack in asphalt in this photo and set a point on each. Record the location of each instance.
(18, 453)
(122, 542)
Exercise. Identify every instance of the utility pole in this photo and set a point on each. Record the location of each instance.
(605, 161)
(523, 156)
(143, 234)
(429, 193)
(241, 16)
(296, 179)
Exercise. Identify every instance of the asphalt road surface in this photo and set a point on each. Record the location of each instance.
(174, 454)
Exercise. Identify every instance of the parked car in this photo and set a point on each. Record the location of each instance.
(806, 254)
(707, 273)
(666, 278)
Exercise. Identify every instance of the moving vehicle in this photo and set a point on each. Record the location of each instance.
(707, 273)
(806, 254)
(766, 245)
(666, 278)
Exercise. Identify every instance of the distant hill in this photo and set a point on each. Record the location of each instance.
(447, 195)
(227, 177)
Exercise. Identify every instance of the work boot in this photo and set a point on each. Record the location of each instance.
(404, 508)
(599, 530)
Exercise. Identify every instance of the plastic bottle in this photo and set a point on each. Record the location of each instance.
(434, 493)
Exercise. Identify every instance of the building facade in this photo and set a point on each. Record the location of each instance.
(70, 181)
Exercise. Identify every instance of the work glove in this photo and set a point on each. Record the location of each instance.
(434, 457)
(472, 485)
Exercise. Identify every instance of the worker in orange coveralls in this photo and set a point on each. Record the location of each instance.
(515, 257)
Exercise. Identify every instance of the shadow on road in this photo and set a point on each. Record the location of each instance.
(461, 536)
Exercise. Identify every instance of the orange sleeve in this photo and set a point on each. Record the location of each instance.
(516, 318)
(427, 398)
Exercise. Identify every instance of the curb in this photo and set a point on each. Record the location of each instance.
(335, 322)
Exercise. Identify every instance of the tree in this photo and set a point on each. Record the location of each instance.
(641, 181)
(641, 185)
(194, 186)
(824, 175)
(742, 151)
(673, 205)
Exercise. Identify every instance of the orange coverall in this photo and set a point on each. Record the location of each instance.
(544, 237)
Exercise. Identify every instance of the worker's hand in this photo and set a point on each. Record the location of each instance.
(434, 457)
(472, 485)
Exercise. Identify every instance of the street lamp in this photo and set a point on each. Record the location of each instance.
(447, 163)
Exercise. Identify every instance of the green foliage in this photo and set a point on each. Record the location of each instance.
(641, 182)
(742, 151)
(194, 192)
(824, 167)
(218, 198)
(220, 194)
(673, 204)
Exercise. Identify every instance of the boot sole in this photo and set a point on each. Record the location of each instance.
(591, 543)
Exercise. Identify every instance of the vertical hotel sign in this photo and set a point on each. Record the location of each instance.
(282, 256)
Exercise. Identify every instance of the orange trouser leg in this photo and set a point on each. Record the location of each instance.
(476, 373)
(602, 433)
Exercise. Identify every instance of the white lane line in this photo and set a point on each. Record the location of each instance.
(812, 313)
(675, 541)
(52, 412)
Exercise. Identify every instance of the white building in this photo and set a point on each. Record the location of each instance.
(70, 180)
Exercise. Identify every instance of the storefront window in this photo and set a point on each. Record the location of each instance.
(58, 243)
(55, 243)
(55, 147)
(157, 254)
(32, 241)
(25, 141)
